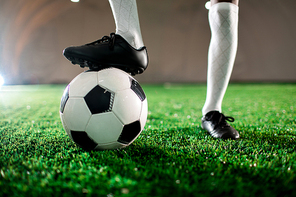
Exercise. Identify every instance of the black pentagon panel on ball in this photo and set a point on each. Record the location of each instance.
(135, 86)
(64, 99)
(82, 139)
(129, 132)
(99, 100)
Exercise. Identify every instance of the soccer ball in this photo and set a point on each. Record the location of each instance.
(104, 109)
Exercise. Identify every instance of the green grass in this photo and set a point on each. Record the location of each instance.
(172, 157)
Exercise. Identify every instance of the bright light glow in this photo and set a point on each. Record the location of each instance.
(208, 5)
(75, 1)
(1, 81)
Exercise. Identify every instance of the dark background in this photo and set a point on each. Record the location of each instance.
(33, 34)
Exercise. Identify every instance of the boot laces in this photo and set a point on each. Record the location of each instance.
(105, 39)
(220, 119)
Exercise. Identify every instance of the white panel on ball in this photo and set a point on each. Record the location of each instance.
(127, 106)
(104, 128)
(82, 84)
(112, 145)
(144, 113)
(65, 126)
(76, 114)
(114, 79)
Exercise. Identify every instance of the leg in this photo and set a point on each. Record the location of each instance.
(123, 49)
(223, 20)
(127, 21)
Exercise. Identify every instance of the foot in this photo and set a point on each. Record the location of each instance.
(113, 51)
(215, 123)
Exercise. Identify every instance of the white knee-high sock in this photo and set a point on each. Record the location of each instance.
(223, 20)
(126, 18)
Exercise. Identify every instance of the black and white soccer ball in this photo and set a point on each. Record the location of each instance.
(104, 109)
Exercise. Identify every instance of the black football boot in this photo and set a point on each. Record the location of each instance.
(110, 51)
(215, 123)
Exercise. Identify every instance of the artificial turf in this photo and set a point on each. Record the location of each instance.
(172, 157)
